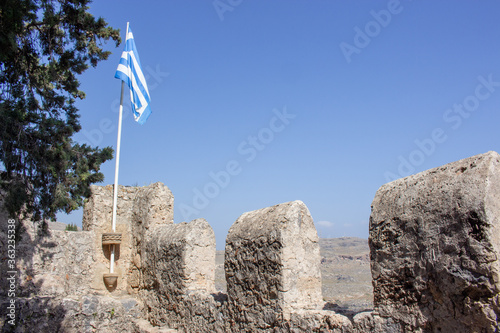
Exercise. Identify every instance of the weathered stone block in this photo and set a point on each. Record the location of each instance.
(181, 257)
(272, 265)
(73, 314)
(178, 267)
(435, 242)
(319, 321)
(365, 322)
(51, 263)
(138, 209)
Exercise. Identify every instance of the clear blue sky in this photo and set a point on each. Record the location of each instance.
(319, 101)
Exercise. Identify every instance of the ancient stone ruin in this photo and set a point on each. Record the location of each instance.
(435, 246)
(434, 242)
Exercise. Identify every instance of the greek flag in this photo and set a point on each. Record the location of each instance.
(129, 71)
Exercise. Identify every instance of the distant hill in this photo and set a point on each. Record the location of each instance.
(58, 226)
(345, 270)
(346, 276)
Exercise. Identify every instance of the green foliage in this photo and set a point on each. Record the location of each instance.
(44, 46)
(71, 227)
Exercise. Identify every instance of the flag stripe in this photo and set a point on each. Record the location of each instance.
(139, 73)
(129, 71)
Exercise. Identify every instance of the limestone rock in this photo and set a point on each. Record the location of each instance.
(319, 321)
(435, 241)
(181, 257)
(138, 210)
(178, 268)
(370, 322)
(272, 265)
(51, 263)
(73, 314)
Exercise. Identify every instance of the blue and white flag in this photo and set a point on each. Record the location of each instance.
(129, 71)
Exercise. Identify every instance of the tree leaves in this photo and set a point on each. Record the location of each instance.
(45, 45)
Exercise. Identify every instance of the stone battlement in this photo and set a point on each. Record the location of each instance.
(434, 244)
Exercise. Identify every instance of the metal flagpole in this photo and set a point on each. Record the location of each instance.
(117, 167)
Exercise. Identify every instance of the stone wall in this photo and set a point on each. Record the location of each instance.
(435, 245)
(138, 209)
(434, 241)
(179, 276)
(84, 314)
(272, 269)
(48, 263)
(51, 284)
(272, 265)
(59, 274)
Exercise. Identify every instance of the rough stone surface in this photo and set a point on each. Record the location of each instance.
(181, 258)
(144, 326)
(138, 209)
(318, 321)
(369, 322)
(58, 271)
(272, 265)
(52, 291)
(47, 262)
(73, 314)
(435, 241)
(178, 269)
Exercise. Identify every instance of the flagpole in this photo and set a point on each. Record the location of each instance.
(117, 167)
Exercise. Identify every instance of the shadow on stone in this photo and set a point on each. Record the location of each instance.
(22, 309)
(106, 250)
(347, 311)
(220, 297)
